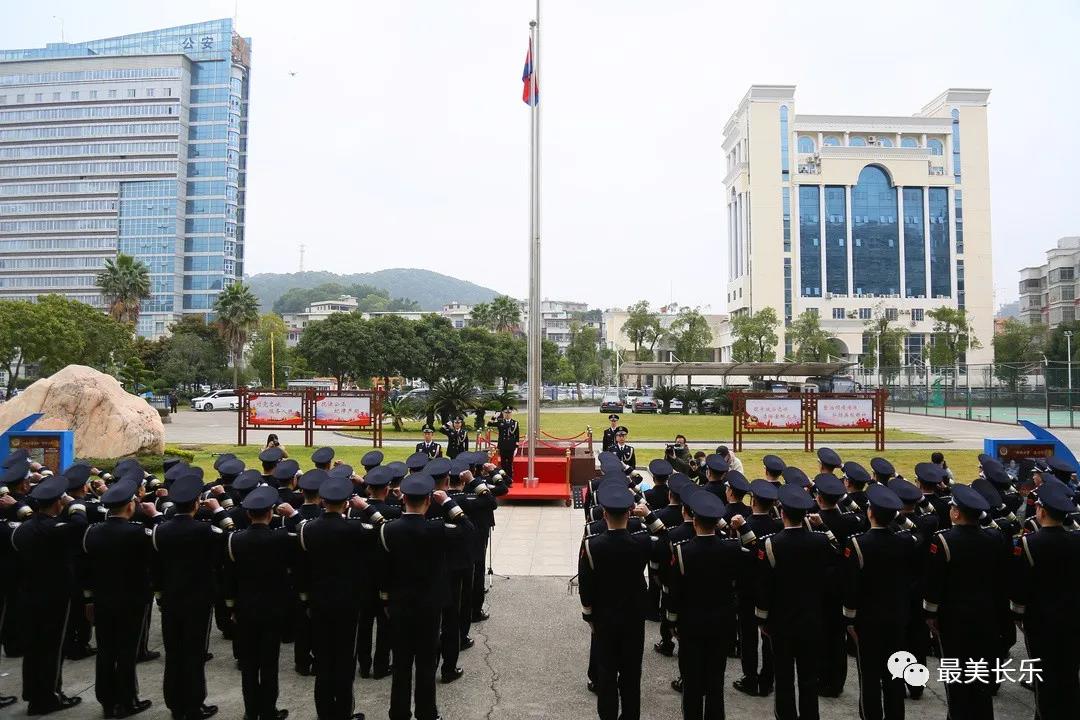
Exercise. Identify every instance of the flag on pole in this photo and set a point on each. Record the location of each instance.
(530, 91)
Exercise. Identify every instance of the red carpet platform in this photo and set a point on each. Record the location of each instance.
(553, 479)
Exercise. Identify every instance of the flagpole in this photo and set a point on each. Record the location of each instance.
(535, 342)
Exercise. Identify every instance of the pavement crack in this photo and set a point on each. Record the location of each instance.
(494, 674)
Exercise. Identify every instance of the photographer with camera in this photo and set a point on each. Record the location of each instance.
(679, 455)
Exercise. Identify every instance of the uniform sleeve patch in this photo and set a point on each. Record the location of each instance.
(847, 552)
(933, 548)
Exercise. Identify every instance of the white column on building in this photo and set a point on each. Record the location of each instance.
(850, 250)
(900, 235)
(926, 234)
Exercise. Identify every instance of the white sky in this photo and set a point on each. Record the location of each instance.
(403, 142)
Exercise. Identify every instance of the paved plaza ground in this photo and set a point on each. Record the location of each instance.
(528, 663)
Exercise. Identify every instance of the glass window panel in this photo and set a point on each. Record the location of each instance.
(836, 240)
(914, 243)
(875, 233)
(809, 241)
(940, 271)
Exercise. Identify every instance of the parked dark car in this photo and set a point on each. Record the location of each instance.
(646, 405)
(611, 404)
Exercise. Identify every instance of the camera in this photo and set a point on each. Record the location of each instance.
(678, 450)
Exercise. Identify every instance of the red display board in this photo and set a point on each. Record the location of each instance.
(809, 414)
(309, 409)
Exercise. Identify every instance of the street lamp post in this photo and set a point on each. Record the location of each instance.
(1068, 366)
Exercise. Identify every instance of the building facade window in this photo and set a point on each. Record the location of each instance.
(913, 347)
(831, 141)
(809, 241)
(785, 198)
(936, 148)
(875, 235)
(857, 141)
(836, 240)
(838, 313)
(785, 140)
(864, 313)
(885, 142)
(960, 294)
(918, 314)
(914, 244)
(909, 142)
(892, 314)
(956, 145)
(806, 144)
(787, 291)
(958, 218)
(940, 274)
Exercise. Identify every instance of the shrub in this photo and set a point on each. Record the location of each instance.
(151, 463)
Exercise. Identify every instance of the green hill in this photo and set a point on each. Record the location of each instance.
(429, 290)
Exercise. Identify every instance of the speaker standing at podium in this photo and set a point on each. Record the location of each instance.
(509, 436)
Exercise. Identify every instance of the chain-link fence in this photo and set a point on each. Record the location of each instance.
(1000, 393)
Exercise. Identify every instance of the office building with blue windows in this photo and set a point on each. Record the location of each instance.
(134, 144)
(859, 217)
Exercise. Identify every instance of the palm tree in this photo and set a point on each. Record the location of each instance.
(399, 410)
(237, 316)
(125, 282)
(505, 313)
(665, 394)
(449, 397)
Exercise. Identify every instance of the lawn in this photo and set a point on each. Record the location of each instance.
(699, 429)
(964, 463)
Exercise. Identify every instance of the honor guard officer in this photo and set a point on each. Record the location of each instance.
(756, 680)
(877, 576)
(375, 664)
(285, 475)
(485, 524)
(999, 477)
(371, 459)
(829, 460)
(612, 588)
(716, 466)
(774, 468)
(931, 479)
(260, 596)
(855, 480)
(671, 514)
(479, 503)
(416, 462)
(45, 545)
(428, 446)
(657, 495)
(228, 471)
(244, 484)
(705, 572)
(790, 603)
(963, 591)
(883, 470)
(269, 458)
(795, 476)
(457, 437)
(332, 579)
(185, 570)
(413, 590)
(322, 458)
(509, 437)
(660, 561)
(624, 451)
(310, 482)
(117, 589)
(1046, 580)
(77, 638)
(608, 442)
(736, 488)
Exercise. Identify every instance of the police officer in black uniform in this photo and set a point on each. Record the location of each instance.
(1045, 582)
(479, 503)
(457, 437)
(188, 556)
(624, 451)
(269, 458)
(484, 520)
(77, 639)
(332, 579)
(701, 603)
(509, 437)
(413, 589)
(931, 479)
(323, 458)
(608, 441)
(117, 588)
(613, 597)
(375, 661)
(44, 545)
(877, 578)
(258, 592)
(774, 468)
(962, 596)
(428, 446)
(790, 603)
(715, 469)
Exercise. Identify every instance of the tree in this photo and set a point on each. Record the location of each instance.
(368, 298)
(437, 350)
(755, 336)
(550, 361)
(339, 346)
(665, 394)
(642, 328)
(237, 311)
(270, 354)
(505, 313)
(811, 342)
(952, 338)
(125, 283)
(886, 344)
(1016, 347)
(583, 354)
(1057, 352)
(480, 316)
(393, 341)
(450, 396)
(190, 361)
(690, 337)
(134, 376)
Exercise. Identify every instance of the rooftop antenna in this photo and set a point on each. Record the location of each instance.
(302, 248)
(61, 21)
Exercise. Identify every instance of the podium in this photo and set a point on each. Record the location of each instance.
(552, 479)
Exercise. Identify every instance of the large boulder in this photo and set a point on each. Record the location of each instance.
(108, 422)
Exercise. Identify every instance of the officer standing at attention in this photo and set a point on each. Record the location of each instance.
(428, 446)
(701, 604)
(877, 578)
(371, 614)
(962, 597)
(77, 639)
(259, 594)
(931, 479)
(322, 458)
(613, 602)
(269, 458)
(509, 437)
(608, 441)
(185, 569)
(332, 580)
(790, 603)
(624, 451)
(828, 460)
(45, 546)
(1046, 581)
(457, 437)
(413, 590)
(117, 589)
(657, 495)
(484, 520)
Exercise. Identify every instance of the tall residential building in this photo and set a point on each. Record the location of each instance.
(134, 144)
(1048, 292)
(856, 217)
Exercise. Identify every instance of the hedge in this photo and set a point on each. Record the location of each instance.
(151, 463)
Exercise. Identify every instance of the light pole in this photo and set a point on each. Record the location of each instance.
(1068, 366)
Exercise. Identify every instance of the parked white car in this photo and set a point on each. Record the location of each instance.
(224, 399)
